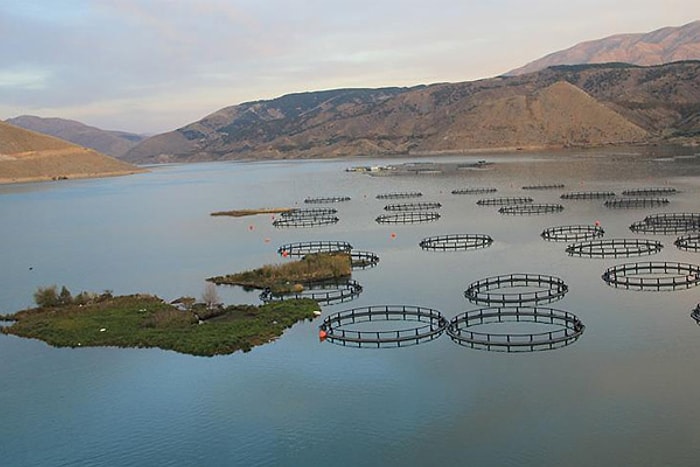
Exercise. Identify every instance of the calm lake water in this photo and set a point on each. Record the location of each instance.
(623, 394)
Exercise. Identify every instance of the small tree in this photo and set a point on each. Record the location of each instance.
(210, 296)
(65, 297)
(46, 296)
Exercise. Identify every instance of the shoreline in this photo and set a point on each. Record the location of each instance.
(70, 176)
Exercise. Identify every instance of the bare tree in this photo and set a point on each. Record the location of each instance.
(210, 296)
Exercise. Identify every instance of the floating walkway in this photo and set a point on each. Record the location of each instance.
(653, 276)
(615, 247)
(456, 242)
(549, 289)
(572, 233)
(462, 329)
(338, 327)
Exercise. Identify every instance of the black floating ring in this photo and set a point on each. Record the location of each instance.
(400, 195)
(651, 191)
(570, 328)
(404, 207)
(525, 209)
(455, 242)
(307, 221)
(330, 199)
(635, 202)
(309, 212)
(572, 233)
(668, 223)
(503, 201)
(307, 248)
(410, 217)
(653, 276)
(695, 314)
(431, 325)
(588, 195)
(326, 293)
(688, 242)
(363, 259)
(552, 186)
(551, 289)
(615, 247)
(474, 190)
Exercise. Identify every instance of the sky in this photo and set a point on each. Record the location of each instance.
(150, 66)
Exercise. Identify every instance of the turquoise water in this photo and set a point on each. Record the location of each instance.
(624, 394)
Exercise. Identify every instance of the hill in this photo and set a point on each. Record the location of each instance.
(28, 156)
(111, 143)
(664, 45)
(587, 105)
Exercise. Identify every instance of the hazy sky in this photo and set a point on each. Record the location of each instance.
(155, 65)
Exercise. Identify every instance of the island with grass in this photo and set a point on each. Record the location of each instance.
(141, 320)
(251, 212)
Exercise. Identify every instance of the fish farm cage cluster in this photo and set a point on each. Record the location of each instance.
(327, 293)
(553, 186)
(547, 289)
(474, 190)
(572, 233)
(622, 203)
(588, 195)
(400, 195)
(506, 201)
(456, 242)
(410, 217)
(568, 328)
(327, 200)
(404, 207)
(688, 242)
(655, 276)
(650, 191)
(525, 209)
(668, 223)
(615, 247)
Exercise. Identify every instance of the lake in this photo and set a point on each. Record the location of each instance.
(623, 394)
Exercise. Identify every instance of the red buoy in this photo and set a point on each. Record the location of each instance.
(322, 335)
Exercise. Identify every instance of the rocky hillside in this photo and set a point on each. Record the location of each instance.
(112, 143)
(29, 156)
(665, 45)
(561, 106)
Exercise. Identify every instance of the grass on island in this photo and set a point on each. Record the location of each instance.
(250, 212)
(288, 277)
(148, 321)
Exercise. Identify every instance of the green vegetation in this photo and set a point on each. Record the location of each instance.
(148, 321)
(250, 212)
(288, 277)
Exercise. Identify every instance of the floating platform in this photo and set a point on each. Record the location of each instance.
(572, 233)
(653, 276)
(615, 248)
(486, 291)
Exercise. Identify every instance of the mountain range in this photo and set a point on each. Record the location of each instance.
(112, 143)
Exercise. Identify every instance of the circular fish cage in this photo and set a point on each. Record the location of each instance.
(650, 191)
(688, 242)
(327, 293)
(567, 328)
(410, 217)
(474, 190)
(653, 276)
(588, 195)
(456, 242)
(400, 195)
(503, 201)
(327, 200)
(307, 248)
(547, 289)
(615, 247)
(338, 327)
(695, 314)
(623, 203)
(310, 221)
(668, 223)
(526, 209)
(553, 186)
(309, 212)
(363, 259)
(405, 207)
(572, 233)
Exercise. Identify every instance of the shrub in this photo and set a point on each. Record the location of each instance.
(46, 296)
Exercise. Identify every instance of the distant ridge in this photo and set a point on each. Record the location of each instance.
(563, 106)
(111, 143)
(28, 156)
(666, 45)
